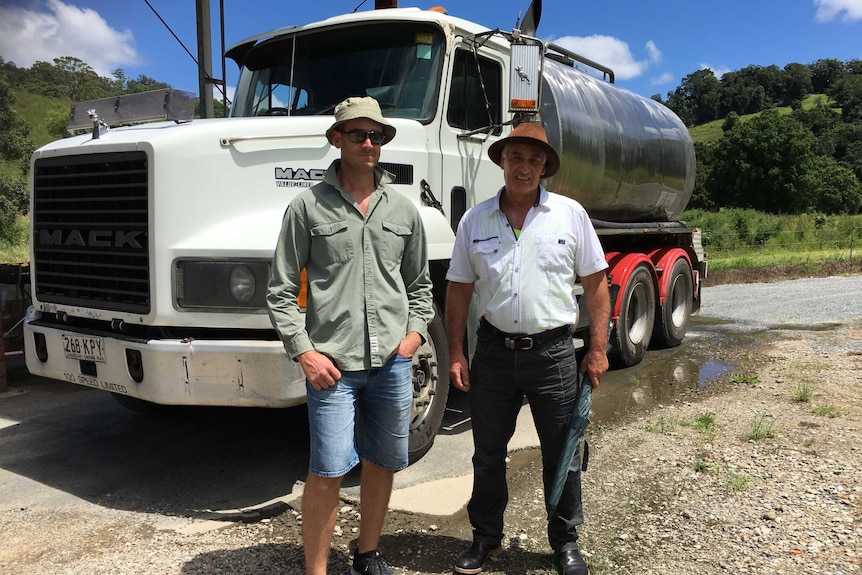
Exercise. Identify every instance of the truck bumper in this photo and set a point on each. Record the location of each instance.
(237, 373)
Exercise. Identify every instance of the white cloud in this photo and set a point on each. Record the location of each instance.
(662, 79)
(608, 51)
(55, 29)
(828, 10)
(654, 52)
(719, 71)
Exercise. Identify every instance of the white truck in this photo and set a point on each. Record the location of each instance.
(151, 243)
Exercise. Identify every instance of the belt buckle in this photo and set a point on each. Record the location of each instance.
(519, 343)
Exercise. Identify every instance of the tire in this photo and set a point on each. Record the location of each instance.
(430, 388)
(633, 330)
(674, 316)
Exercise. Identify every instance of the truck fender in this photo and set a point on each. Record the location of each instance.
(441, 238)
(620, 268)
(663, 260)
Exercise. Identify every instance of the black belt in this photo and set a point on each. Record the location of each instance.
(521, 342)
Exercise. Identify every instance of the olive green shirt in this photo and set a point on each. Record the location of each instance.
(368, 281)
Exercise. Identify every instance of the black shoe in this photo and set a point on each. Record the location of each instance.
(474, 558)
(370, 563)
(570, 563)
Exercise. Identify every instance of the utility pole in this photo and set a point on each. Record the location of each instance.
(205, 59)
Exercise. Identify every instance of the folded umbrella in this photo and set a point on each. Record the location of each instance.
(579, 418)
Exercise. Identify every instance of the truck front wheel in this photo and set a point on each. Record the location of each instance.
(631, 334)
(430, 388)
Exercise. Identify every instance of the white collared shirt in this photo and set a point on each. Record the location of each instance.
(526, 284)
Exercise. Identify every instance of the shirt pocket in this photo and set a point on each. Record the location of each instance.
(487, 257)
(331, 243)
(555, 252)
(394, 240)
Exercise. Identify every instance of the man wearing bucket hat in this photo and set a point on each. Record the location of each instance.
(369, 304)
(517, 258)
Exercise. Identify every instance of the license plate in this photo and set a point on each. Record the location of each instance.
(84, 347)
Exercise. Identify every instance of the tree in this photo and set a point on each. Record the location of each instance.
(730, 121)
(797, 82)
(695, 101)
(847, 93)
(14, 148)
(144, 84)
(760, 164)
(824, 73)
(833, 189)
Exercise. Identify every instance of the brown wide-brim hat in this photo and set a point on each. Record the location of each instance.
(361, 107)
(528, 133)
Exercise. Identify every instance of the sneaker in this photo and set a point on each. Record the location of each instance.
(370, 563)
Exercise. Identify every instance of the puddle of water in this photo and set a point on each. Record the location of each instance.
(663, 377)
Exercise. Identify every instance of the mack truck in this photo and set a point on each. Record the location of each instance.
(151, 242)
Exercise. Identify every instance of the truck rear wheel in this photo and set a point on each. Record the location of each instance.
(430, 388)
(674, 315)
(631, 334)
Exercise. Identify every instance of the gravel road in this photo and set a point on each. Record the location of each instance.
(802, 302)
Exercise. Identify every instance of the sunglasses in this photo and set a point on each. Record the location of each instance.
(359, 136)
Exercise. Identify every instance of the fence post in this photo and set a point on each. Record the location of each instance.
(2, 352)
(852, 236)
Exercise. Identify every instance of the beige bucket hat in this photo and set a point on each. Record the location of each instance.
(360, 107)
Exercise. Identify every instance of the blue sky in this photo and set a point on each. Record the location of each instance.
(650, 45)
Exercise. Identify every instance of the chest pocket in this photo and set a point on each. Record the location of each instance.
(555, 252)
(487, 257)
(331, 243)
(394, 240)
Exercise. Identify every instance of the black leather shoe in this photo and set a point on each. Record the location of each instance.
(570, 563)
(474, 558)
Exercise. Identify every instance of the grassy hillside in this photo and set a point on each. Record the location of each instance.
(35, 109)
(712, 132)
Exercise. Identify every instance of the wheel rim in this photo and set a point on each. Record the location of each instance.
(637, 313)
(425, 378)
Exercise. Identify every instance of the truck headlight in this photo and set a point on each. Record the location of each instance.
(221, 285)
(242, 284)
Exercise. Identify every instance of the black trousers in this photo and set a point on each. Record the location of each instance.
(500, 379)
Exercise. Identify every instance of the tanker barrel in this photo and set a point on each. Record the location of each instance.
(624, 157)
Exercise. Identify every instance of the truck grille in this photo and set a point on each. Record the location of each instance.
(91, 231)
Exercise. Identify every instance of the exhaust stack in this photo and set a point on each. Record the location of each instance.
(382, 4)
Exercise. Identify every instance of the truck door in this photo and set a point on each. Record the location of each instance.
(469, 176)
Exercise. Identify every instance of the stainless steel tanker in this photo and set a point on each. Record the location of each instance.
(624, 157)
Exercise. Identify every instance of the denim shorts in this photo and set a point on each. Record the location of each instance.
(366, 414)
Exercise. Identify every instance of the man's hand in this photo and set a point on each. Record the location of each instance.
(459, 372)
(595, 364)
(409, 345)
(319, 369)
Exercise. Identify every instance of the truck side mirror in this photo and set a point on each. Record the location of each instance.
(526, 77)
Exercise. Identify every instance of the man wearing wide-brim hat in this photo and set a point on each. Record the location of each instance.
(369, 304)
(517, 259)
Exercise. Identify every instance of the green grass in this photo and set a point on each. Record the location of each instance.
(17, 253)
(826, 411)
(746, 379)
(763, 427)
(704, 423)
(737, 483)
(35, 109)
(803, 392)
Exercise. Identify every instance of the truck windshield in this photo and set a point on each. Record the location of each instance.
(305, 74)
